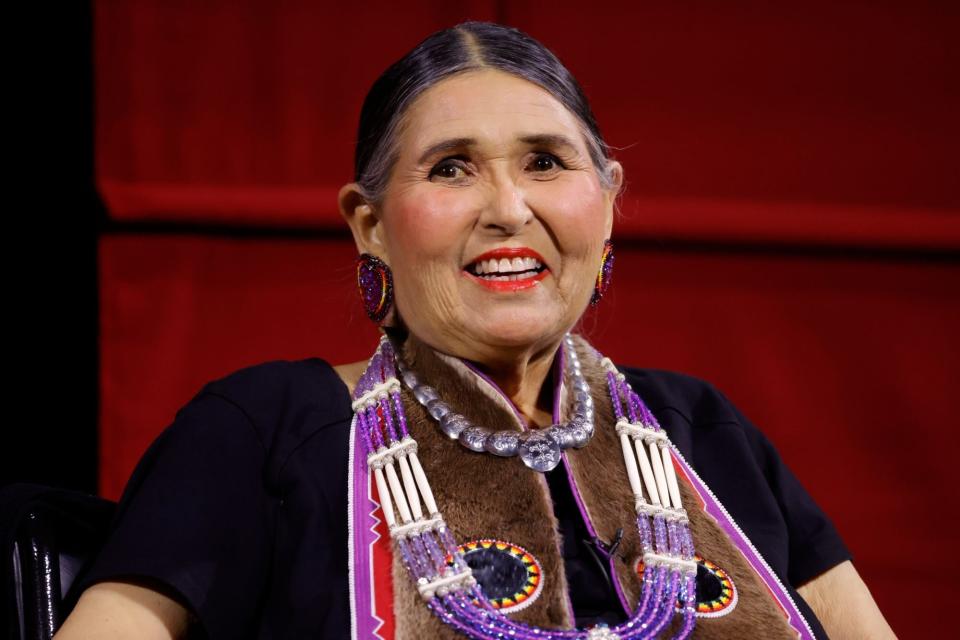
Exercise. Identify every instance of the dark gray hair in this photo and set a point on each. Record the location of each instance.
(465, 47)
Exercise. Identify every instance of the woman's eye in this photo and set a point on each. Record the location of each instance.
(545, 162)
(448, 170)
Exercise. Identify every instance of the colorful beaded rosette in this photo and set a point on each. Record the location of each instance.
(716, 593)
(510, 576)
(436, 563)
(375, 282)
(606, 272)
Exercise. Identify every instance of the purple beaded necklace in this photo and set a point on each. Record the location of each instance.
(436, 565)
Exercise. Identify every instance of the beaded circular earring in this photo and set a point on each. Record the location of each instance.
(603, 276)
(375, 281)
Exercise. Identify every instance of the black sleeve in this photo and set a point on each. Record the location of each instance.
(195, 517)
(814, 543)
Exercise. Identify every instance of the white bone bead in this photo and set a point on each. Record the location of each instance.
(671, 478)
(422, 484)
(631, 463)
(638, 431)
(397, 492)
(375, 394)
(390, 452)
(417, 526)
(456, 580)
(657, 463)
(647, 471)
(385, 503)
(655, 559)
(410, 486)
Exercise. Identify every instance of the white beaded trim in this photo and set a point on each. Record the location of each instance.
(651, 559)
(677, 515)
(379, 392)
(417, 527)
(441, 586)
(640, 432)
(385, 455)
(753, 548)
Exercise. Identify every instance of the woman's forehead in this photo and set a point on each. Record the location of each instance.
(487, 107)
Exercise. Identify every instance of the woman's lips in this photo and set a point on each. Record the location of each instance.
(509, 253)
(507, 269)
(519, 284)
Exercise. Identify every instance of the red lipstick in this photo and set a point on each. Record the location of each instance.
(510, 253)
(529, 279)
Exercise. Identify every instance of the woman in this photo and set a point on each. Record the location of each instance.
(482, 209)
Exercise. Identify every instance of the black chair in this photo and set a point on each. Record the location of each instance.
(49, 535)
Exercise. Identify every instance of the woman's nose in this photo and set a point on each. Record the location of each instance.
(506, 209)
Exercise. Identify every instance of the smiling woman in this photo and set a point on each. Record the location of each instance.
(489, 167)
(485, 474)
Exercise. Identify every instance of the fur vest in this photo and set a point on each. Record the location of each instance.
(483, 497)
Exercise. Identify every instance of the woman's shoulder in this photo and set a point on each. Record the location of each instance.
(310, 379)
(284, 400)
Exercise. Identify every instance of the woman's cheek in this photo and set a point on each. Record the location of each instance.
(576, 213)
(586, 204)
(429, 222)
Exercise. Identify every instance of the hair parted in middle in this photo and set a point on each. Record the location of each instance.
(465, 47)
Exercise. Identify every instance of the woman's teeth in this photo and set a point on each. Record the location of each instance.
(506, 269)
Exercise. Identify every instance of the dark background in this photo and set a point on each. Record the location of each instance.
(54, 216)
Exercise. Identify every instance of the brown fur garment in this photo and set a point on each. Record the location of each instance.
(484, 496)
(601, 480)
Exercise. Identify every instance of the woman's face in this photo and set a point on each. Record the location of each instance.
(494, 217)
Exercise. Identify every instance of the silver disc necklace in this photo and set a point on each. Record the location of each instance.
(538, 448)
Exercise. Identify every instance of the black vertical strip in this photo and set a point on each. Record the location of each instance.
(94, 219)
(49, 435)
(81, 445)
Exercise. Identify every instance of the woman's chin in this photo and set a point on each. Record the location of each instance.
(518, 329)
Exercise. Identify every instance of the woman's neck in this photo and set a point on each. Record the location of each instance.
(528, 385)
(525, 378)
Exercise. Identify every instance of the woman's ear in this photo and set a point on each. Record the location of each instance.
(367, 231)
(363, 220)
(615, 177)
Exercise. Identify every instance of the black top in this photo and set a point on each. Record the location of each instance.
(239, 506)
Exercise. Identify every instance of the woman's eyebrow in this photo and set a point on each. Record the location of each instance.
(550, 140)
(445, 145)
(538, 139)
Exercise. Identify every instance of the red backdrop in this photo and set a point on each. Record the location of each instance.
(815, 129)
